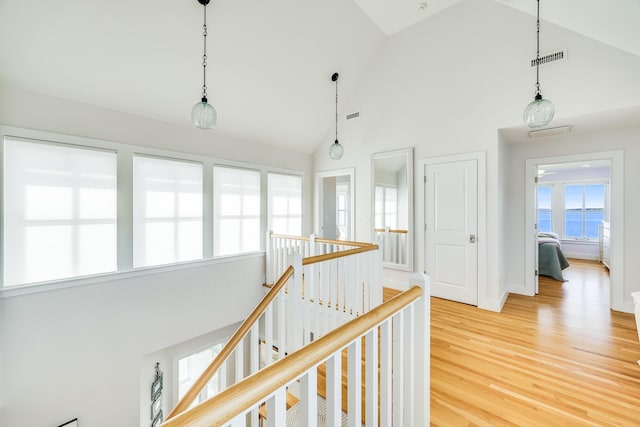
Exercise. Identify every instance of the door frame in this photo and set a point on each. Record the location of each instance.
(351, 172)
(481, 158)
(616, 218)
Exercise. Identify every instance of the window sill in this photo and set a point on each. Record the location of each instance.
(32, 288)
(580, 242)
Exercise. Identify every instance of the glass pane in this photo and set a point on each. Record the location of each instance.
(593, 220)
(594, 196)
(59, 211)
(544, 197)
(573, 197)
(573, 224)
(167, 208)
(544, 220)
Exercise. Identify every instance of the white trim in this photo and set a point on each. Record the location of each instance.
(616, 194)
(481, 157)
(351, 172)
(32, 288)
(408, 153)
(496, 305)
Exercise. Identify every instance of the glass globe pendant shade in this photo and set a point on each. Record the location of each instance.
(203, 115)
(539, 112)
(336, 150)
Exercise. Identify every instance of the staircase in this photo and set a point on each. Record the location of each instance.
(331, 334)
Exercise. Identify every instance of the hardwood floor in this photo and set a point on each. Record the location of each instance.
(559, 358)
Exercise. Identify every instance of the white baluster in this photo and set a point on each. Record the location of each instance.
(386, 397)
(371, 378)
(409, 365)
(294, 303)
(354, 381)
(239, 362)
(281, 334)
(309, 398)
(398, 369)
(268, 335)
(277, 409)
(254, 365)
(334, 390)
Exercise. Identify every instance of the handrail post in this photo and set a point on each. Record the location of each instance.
(294, 305)
(422, 348)
(312, 244)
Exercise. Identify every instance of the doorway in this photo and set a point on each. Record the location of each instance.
(614, 160)
(335, 204)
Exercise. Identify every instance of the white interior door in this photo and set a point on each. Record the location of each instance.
(451, 216)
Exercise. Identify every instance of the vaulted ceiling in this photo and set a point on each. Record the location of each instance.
(270, 62)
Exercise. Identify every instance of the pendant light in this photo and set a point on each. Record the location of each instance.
(540, 111)
(203, 115)
(336, 150)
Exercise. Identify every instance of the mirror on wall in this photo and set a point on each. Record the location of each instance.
(392, 195)
(335, 204)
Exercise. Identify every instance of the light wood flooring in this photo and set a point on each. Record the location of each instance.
(561, 358)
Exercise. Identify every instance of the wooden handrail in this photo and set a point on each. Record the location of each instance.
(340, 254)
(384, 230)
(231, 345)
(254, 389)
(323, 240)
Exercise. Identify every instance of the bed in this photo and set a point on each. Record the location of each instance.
(551, 259)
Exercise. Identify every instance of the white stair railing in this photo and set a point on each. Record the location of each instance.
(402, 325)
(315, 295)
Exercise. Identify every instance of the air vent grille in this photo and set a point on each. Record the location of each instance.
(353, 115)
(551, 57)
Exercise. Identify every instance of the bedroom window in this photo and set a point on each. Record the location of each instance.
(59, 200)
(545, 214)
(584, 210)
(236, 211)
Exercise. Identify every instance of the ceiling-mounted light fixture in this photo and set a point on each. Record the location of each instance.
(336, 150)
(203, 115)
(540, 111)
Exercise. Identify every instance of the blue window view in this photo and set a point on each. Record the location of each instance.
(583, 210)
(545, 223)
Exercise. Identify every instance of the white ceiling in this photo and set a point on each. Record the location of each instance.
(270, 63)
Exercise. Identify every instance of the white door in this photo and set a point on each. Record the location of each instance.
(451, 216)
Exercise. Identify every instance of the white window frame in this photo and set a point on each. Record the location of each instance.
(583, 238)
(124, 197)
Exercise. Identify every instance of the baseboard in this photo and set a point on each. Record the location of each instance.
(495, 305)
(581, 256)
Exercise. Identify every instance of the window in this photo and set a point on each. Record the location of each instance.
(167, 211)
(545, 214)
(236, 211)
(191, 367)
(584, 210)
(59, 211)
(285, 203)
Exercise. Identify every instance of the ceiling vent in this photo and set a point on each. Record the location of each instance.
(556, 56)
(353, 115)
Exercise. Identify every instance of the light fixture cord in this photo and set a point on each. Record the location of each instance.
(336, 110)
(538, 51)
(204, 56)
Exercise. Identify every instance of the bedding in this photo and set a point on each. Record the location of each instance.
(551, 259)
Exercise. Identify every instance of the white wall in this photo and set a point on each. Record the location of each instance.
(446, 85)
(77, 352)
(573, 144)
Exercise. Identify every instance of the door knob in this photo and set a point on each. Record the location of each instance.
(472, 238)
